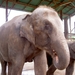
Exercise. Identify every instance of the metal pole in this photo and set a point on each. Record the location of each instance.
(6, 10)
(74, 27)
(66, 27)
(70, 25)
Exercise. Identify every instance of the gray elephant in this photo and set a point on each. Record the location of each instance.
(70, 68)
(27, 37)
(3, 65)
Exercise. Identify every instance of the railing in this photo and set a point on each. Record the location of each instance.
(71, 36)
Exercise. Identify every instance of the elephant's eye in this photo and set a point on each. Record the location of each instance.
(48, 26)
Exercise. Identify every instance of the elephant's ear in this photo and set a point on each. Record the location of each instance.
(26, 30)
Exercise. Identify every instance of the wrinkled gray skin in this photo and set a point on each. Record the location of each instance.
(70, 68)
(25, 37)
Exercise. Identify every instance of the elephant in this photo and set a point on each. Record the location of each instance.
(3, 65)
(70, 68)
(29, 36)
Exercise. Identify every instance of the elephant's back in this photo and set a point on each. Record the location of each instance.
(15, 21)
(11, 25)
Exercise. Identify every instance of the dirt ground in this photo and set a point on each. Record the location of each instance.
(28, 69)
(30, 66)
(62, 72)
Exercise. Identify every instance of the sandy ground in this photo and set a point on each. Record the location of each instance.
(28, 69)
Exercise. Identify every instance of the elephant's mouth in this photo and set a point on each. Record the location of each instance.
(55, 56)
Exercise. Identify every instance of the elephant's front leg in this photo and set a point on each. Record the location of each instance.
(3, 64)
(15, 67)
(40, 63)
(70, 68)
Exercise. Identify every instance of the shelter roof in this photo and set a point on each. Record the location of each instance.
(63, 7)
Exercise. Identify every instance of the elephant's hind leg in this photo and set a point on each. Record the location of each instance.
(15, 68)
(70, 68)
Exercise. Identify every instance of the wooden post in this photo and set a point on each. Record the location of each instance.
(74, 27)
(6, 10)
(70, 25)
(61, 15)
(66, 28)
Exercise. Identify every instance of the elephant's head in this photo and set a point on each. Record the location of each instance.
(43, 29)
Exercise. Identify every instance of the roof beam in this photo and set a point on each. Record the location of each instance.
(1, 3)
(50, 3)
(25, 4)
(63, 3)
(73, 14)
(69, 10)
(73, 5)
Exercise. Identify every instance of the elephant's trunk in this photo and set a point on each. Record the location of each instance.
(61, 55)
